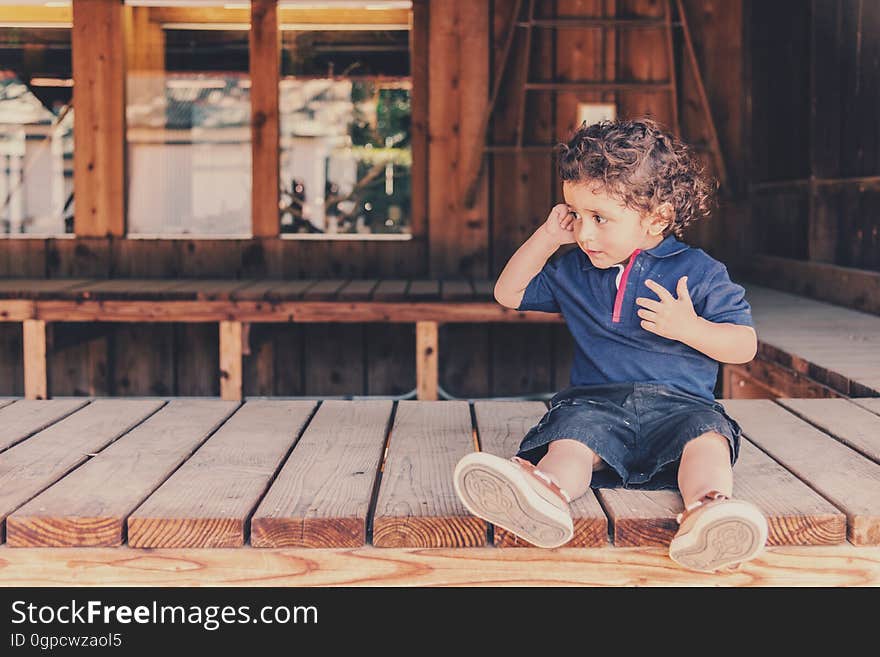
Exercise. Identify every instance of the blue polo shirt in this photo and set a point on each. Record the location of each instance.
(599, 308)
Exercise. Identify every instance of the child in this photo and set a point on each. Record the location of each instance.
(651, 318)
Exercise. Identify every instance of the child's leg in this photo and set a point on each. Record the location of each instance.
(705, 466)
(570, 464)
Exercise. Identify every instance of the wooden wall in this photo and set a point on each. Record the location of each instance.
(814, 186)
(459, 56)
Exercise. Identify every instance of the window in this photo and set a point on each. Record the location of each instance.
(36, 125)
(188, 139)
(345, 111)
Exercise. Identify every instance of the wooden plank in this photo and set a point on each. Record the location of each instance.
(501, 426)
(423, 291)
(32, 466)
(457, 98)
(77, 358)
(457, 291)
(89, 506)
(230, 360)
(852, 425)
(99, 120)
(127, 288)
(841, 475)
(39, 288)
(289, 290)
(281, 311)
(265, 70)
(390, 290)
(390, 359)
(420, 73)
(28, 416)
(208, 500)
(417, 506)
(871, 403)
(322, 495)
(143, 357)
(531, 371)
(828, 566)
(426, 360)
(257, 290)
(484, 290)
(796, 515)
(357, 290)
(780, 381)
(324, 290)
(333, 359)
(850, 287)
(34, 347)
(197, 359)
(209, 289)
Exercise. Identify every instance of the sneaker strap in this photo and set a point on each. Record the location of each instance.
(711, 496)
(543, 476)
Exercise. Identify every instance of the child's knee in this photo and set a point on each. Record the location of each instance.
(576, 449)
(710, 441)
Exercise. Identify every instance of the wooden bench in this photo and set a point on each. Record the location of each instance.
(807, 348)
(298, 492)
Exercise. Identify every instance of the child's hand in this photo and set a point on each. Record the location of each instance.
(672, 318)
(560, 225)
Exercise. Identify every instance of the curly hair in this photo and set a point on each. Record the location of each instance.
(641, 164)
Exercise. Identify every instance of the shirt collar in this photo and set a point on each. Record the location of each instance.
(668, 247)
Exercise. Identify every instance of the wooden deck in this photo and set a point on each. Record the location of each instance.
(307, 492)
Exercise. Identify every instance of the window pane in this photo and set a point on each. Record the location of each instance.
(345, 129)
(188, 123)
(36, 131)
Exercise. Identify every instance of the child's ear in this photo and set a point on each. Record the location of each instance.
(663, 218)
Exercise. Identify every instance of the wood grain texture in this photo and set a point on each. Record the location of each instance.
(427, 347)
(851, 424)
(265, 70)
(871, 403)
(28, 416)
(501, 426)
(417, 505)
(230, 360)
(98, 59)
(208, 500)
(35, 464)
(89, 506)
(841, 475)
(796, 515)
(322, 495)
(837, 565)
(33, 339)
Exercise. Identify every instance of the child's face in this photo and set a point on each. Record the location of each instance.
(605, 229)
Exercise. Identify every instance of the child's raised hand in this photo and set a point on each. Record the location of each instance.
(560, 224)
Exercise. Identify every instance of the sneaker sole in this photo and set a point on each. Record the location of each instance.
(722, 536)
(497, 491)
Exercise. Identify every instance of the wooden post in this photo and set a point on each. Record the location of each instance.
(426, 360)
(34, 343)
(230, 360)
(99, 118)
(265, 69)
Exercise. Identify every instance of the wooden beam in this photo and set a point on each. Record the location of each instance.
(34, 347)
(230, 360)
(288, 16)
(99, 119)
(419, 71)
(265, 69)
(812, 565)
(427, 347)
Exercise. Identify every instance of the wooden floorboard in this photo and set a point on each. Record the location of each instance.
(501, 426)
(417, 505)
(32, 466)
(208, 501)
(847, 479)
(28, 416)
(322, 495)
(849, 423)
(89, 507)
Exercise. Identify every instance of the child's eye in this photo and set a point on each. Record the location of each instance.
(603, 220)
(574, 214)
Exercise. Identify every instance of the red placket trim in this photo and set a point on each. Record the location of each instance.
(621, 289)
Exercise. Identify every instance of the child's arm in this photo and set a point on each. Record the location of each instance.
(531, 257)
(676, 319)
(726, 343)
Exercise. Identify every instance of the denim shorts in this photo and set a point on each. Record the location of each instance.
(638, 429)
